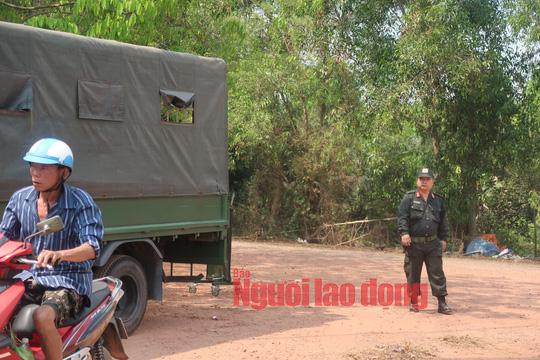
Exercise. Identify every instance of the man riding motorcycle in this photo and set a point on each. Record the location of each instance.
(63, 290)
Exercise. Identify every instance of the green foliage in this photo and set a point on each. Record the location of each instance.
(334, 105)
(451, 57)
(526, 18)
(290, 109)
(506, 211)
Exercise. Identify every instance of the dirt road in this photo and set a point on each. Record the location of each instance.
(497, 305)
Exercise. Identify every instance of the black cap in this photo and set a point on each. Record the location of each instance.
(425, 172)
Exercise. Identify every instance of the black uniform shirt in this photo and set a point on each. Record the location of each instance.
(418, 217)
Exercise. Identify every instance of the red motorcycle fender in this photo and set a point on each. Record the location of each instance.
(112, 341)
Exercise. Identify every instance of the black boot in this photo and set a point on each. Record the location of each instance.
(414, 302)
(443, 306)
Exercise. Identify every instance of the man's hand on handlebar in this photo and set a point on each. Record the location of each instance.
(48, 257)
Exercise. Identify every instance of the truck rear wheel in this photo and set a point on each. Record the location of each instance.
(132, 306)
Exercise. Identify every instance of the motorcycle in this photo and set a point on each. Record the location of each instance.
(95, 334)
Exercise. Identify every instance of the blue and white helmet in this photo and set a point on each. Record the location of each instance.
(50, 151)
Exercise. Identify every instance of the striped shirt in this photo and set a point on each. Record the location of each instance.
(82, 225)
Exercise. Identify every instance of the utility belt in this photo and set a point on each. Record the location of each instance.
(423, 239)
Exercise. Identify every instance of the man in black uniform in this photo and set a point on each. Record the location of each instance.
(423, 228)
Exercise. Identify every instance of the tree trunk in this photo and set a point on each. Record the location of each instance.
(277, 194)
(306, 114)
(472, 227)
(322, 115)
(472, 216)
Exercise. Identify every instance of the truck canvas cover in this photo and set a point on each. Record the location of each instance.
(104, 99)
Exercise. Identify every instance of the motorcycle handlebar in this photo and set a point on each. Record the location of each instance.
(32, 262)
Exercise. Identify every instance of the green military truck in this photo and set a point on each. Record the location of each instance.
(148, 128)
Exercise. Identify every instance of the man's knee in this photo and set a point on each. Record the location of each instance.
(44, 316)
(434, 264)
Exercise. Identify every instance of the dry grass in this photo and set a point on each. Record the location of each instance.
(393, 352)
(463, 341)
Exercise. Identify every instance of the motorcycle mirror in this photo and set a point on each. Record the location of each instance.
(51, 225)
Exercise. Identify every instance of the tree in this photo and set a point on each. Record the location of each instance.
(293, 99)
(453, 85)
(334, 105)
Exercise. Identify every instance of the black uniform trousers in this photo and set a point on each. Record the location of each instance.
(431, 253)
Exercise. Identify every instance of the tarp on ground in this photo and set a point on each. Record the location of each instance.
(482, 246)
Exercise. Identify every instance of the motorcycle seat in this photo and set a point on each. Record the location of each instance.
(23, 325)
(100, 291)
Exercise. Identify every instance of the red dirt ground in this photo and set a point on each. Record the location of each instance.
(496, 303)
